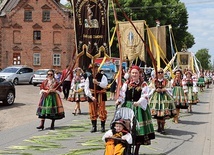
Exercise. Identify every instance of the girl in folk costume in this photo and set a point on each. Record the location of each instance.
(134, 95)
(50, 104)
(188, 89)
(161, 101)
(201, 82)
(77, 90)
(207, 78)
(178, 93)
(117, 138)
(195, 88)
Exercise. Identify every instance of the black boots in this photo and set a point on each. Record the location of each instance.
(52, 125)
(94, 126)
(102, 126)
(41, 125)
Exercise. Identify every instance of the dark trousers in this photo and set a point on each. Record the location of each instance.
(66, 85)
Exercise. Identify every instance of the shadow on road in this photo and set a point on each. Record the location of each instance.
(176, 132)
(191, 122)
(11, 106)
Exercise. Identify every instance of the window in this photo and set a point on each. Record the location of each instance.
(28, 16)
(46, 16)
(36, 59)
(36, 35)
(56, 60)
(16, 58)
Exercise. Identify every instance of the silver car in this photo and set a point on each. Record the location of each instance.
(17, 74)
(39, 76)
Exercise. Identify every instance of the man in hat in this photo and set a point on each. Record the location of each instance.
(116, 137)
(95, 89)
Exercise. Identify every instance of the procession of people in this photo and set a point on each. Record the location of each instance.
(159, 97)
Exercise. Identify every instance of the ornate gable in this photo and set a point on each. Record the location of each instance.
(17, 48)
(37, 26)
(57, 49)
(28, 7)
(36, 48)
(56, 26)
(17, 26)
(46, 7)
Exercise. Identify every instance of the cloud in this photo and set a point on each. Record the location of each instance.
(201, 24)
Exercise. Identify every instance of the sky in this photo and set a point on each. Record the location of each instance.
(200, 24)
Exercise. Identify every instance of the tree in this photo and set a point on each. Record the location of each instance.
(203, 56)
(168, 12)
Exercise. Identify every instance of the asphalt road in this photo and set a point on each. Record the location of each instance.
(193, 135)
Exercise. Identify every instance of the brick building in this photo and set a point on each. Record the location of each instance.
(36, 33)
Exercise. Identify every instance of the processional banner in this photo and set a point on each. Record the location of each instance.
(91, 27)
(159, 33)
(132, 46)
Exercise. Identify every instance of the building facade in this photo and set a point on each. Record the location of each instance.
(36, 33)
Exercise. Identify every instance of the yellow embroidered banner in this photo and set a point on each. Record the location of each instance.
(131, 45)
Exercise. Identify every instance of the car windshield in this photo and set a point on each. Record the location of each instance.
(41, 72)
(9, 70)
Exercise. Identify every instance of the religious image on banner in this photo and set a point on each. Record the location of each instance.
(91, 27)
(132, 46)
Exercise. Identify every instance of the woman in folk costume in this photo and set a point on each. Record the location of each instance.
(134, 95)
(207, 78)
(161, 101)
(188, 89)
(178, 93)
(77, 90)
(195, 88)
(201, 82)
(50, 104)
(117, 138)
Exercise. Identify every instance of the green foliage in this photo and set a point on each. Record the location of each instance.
(168, 12)
(203, 56)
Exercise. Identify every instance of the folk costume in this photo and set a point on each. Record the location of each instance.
(207, 78)
(178, 94)
(161, 100)
(134, 95)
(77, 90)
(201, 82)
(188, 89)
(116, 141)
(96, 92)
(50, 104)
(195, 89)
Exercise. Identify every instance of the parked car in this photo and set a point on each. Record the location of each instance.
(39, 76)
(17, 74)
(7, 92)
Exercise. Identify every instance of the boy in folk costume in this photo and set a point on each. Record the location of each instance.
(178, 93)
(95, 89)
(161, 101)
(117, 138)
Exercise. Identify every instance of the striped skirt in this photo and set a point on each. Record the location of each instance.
(50, 107)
